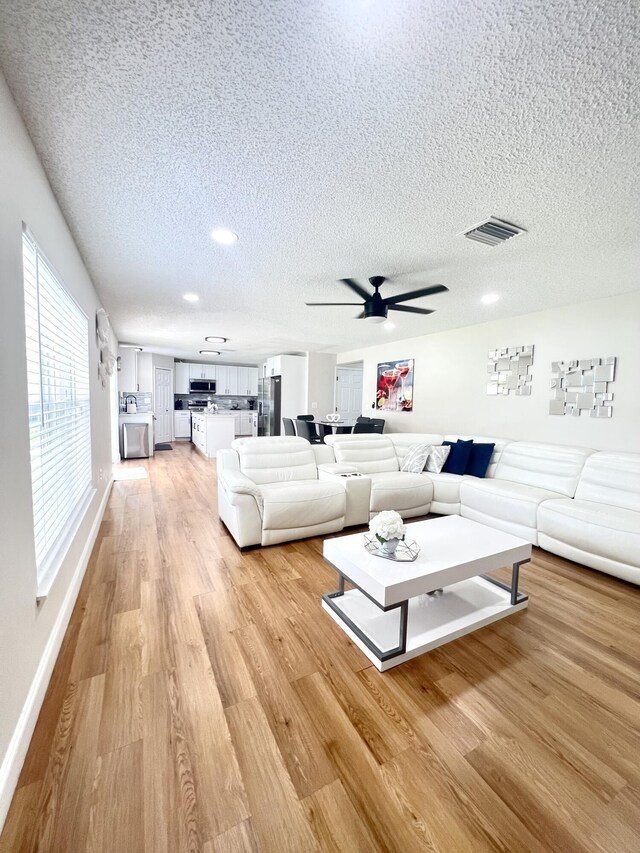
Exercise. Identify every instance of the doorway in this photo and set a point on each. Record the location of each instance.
(163, 405)
(349, 390)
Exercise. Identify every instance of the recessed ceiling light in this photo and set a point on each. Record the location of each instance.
(214, 340)
(490, 298)
(209, 352)
(191, 297)
(224, 236)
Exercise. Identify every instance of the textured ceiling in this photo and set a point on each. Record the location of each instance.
(338, 139)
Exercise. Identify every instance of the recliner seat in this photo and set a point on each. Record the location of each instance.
(601, 526)
(527, 474)
(269, 491)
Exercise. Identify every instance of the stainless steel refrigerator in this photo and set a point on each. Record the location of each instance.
(269, 414)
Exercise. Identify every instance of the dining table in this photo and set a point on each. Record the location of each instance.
(334, 427)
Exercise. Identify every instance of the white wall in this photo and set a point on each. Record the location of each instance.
(321, 383)
(450, 375)
(29, 635)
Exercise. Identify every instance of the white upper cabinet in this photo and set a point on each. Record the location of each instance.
(230, 380)
(127, 370)
(182, 377)
(252, 386)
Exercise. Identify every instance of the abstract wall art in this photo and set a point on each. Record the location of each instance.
(582, 386)
(508, 370)
(394, 389)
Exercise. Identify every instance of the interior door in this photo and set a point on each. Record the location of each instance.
(163, 405)
(349, 392)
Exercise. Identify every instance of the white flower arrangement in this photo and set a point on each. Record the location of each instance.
(387, 525)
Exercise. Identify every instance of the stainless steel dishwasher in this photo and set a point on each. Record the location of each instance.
(135, 440)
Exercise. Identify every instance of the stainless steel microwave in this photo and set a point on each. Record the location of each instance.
(202, 386)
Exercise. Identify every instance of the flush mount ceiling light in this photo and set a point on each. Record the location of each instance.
(191, 297)
(214, 340)
(209, 352)
(490, 298)
(224, 236)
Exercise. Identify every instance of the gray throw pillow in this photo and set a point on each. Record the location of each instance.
(437, 458)
(416, 458)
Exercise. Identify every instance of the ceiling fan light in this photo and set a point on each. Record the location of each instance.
(374, 318)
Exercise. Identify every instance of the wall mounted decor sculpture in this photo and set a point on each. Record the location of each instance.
(582, 386)
(508, 370)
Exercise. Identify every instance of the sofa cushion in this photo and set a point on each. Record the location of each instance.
(369, 453)
(400, 491)
(416, 458)
(545, 466)
(446, 487)
(516, 503)
(302, 504)
(607, 531)
(402, 441)
(611, 478)
(479, 459)
(458, 458)
(274, 459)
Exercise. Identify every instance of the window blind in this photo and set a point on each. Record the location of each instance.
(57, 335)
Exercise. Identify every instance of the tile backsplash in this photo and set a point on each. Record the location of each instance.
(143, 401)
(241, 403)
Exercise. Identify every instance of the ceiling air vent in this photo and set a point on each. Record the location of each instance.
(493, 231)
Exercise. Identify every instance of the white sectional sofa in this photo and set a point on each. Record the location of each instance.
(575, 502)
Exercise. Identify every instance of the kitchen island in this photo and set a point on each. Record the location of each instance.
(212, 432)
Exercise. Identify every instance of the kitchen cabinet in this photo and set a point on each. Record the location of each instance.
(212, 432)
(231, 381)
(182, 424)
(127, 370)
(227, 380)
(245, 422)
(182, 377)
(252, 383)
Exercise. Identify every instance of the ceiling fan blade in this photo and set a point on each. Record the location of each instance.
(357, 288)
(409, 310)
(360, 316)
(416, 294)
(333, 303)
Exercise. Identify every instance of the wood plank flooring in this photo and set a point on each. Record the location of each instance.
(203, 701)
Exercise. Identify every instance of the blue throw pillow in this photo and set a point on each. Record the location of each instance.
(479, 459)
(458, 457)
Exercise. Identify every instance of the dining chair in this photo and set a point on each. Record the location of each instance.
(365, 426)
(378, 425)
(304, 417)
(362, 419)
(289, 428)
(308, 430)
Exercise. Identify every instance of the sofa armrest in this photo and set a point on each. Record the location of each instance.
(335, 468)
(236, 483)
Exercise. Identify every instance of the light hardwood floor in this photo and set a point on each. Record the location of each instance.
(203, 701)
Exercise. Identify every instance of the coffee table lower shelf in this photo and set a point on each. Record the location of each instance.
(409, 629)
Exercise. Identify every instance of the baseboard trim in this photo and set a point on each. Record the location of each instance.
(23, 732)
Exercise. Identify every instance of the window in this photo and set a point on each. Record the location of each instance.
(57, 332)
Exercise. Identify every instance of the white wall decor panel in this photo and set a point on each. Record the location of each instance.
(582, 386)
(508, 370)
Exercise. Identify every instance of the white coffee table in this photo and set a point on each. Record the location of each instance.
(393, 613)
